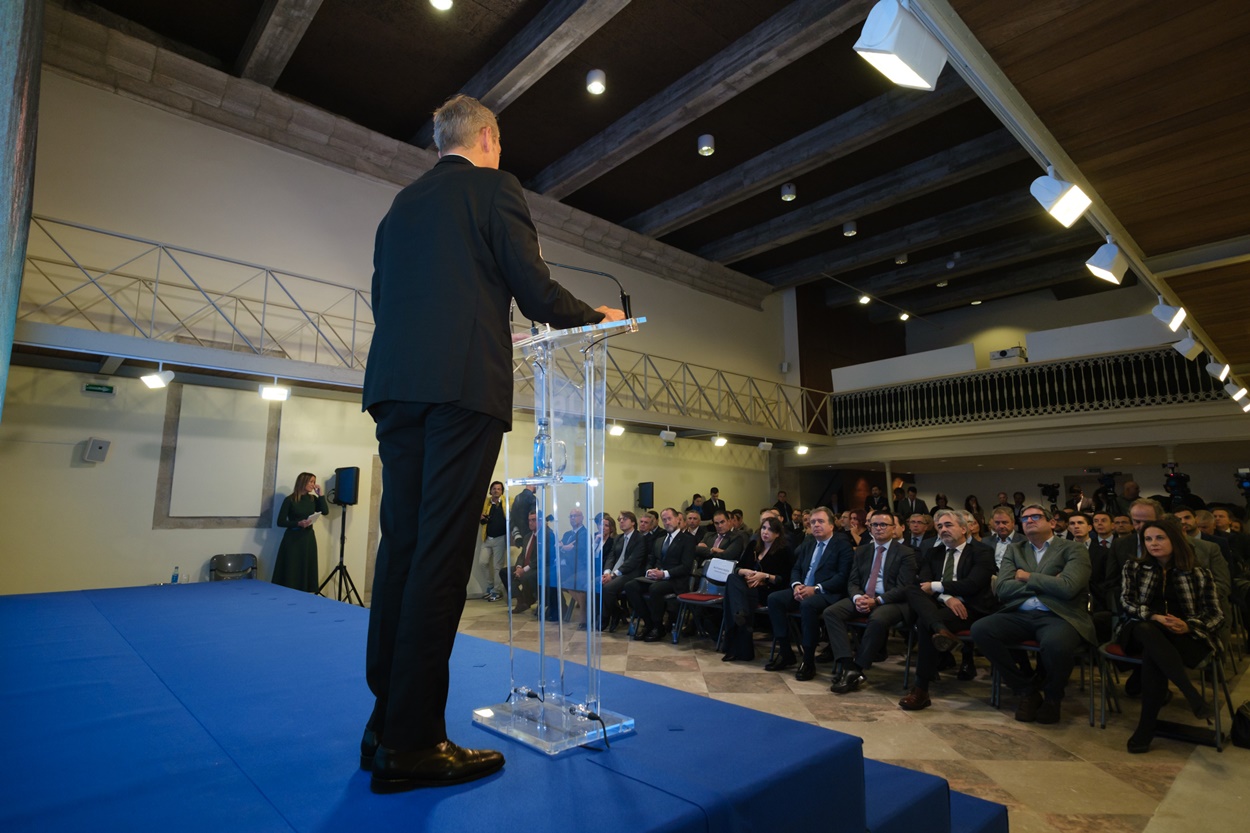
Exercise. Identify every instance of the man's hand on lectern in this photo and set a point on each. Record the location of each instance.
(610, 314)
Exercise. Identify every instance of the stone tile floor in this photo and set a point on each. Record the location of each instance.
(1053, 779)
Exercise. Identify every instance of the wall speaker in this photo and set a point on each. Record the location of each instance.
(346, 485)
(96, 450)
(646, 494)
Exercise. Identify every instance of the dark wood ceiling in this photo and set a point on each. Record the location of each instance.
(932, 175)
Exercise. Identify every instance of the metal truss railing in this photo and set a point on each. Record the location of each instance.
(1100, 383)
(78, 276)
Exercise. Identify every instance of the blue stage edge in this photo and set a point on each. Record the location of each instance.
(238, 706)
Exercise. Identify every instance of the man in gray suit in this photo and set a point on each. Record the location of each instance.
(1043, 584)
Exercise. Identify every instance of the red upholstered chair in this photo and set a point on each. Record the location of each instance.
(707, 595)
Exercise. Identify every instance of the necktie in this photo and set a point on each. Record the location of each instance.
(624, 548)
(948, 569)
(1104, 544)
(716, 543)
(810, 581)
(915, 543)
(870, 588)
(667, 541)
(529, 551)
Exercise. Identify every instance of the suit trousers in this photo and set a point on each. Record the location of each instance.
(1059, 642)
(781, 604)
(651, 608)
(880, 621)
(612, 598)
(436, 463)
(932, 616)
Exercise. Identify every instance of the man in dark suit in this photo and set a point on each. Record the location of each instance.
(525, 571)
(783, 507)
(669, 569)
(876, 502)
(881, 572)
(794, 529)
(919, 535)
(624, 564)
(910, 505)
(456, 246)
(711, 505)
(721, 542)
(822, 566)
(955, 590)
(1003, 525)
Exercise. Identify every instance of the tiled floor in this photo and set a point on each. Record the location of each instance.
(1053, 779)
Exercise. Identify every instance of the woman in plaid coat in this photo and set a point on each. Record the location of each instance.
(1172, 611)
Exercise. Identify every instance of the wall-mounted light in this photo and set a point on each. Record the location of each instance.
(275, 392)
(596, 82)
(159, 379)
(900, 47)
(616, 430)
(802, 449)
(788, 192)
(707, 145)
(1061, 199)
(719, 441)
(1108, 263)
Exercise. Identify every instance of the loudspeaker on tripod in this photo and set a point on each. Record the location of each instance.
(346, 485)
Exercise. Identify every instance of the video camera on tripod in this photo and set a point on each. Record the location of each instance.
(1105, 498)
(1242, 479)
(1176, 484)
(1050, 491)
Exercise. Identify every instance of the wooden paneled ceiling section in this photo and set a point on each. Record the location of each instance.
(778, 85)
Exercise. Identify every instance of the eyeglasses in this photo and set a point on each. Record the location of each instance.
(1032, 517)
(880, 525)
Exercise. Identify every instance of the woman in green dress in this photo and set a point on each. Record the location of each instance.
(296, 566)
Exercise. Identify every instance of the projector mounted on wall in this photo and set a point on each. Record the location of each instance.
(669, 438)
(1008, 357)
(765, 446)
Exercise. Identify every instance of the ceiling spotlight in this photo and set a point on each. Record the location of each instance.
(900, 47)
(719, 441)
(1108, 263)
(707, 145)
(596, 82)
(1217, 370)
(441, 5)
(864, 299)
(903, 316)
(1062, 200)
(1235, 390)
(802, 449)
(1189, 347)
(849, 229)
(899, 260)
(976, 303)
(616, 430)
(159, 379)
(1170, 315)
(942, 284)
(765, 445)
(1245, 409)
(788, 192)
(275, 392)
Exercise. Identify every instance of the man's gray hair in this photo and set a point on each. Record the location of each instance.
(458, 122)
(960, 517)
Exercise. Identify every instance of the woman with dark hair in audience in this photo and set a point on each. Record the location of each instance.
(974, 527)
(1172, 609)
(939, 502)
(296, 566)
(765, 569)
(855, 529)
(974, 509)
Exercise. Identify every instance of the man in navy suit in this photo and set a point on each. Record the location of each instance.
(455, 248)
(822, 565)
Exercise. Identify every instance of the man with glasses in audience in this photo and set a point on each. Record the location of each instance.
(1003, 522)
(1043, 584)
(620, 567)
(669, 567)
(881, 571)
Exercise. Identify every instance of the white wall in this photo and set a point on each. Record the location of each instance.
(1004, 323)
(115, 164)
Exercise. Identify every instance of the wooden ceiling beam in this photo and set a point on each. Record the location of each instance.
(962, 222)
(548, 39)
(1016, 282)
(962, 162)
(782, 39)
(278, 29)
(854, 130)
(998, 255)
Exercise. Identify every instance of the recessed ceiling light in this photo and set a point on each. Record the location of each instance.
(441, 5)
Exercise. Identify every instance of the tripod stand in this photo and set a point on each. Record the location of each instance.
(340, 570)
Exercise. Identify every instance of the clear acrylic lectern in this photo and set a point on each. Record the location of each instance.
(553, 698)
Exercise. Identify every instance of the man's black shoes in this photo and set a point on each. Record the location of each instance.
(437, 766)
(368, 748)
(781, 662)
(853, 680)
(805, 671)
(652, 635)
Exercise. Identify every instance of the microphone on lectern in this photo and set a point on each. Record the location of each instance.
(625, 303)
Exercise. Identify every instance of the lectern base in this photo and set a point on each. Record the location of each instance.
(551, 726)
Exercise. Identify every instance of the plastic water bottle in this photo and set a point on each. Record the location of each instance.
(174, 578)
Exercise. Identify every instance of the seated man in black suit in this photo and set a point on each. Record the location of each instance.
(954, 591)
(822, 566)
(669, 569)
(525, 571)
(721, 542)
(881, 573)
(624, 564)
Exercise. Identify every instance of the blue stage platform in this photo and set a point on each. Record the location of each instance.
(238, 706)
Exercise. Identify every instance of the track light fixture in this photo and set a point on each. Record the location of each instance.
(1217, 370)
(1245, 409)
(1189, 347)
(1108, 263)
(596, 82)
(850, 229)
(895, 42)
(1235, 390)
(707, 144)
(159, 379)
(275, 392)
(788, 192)
(1062, 200)
(1174, 317)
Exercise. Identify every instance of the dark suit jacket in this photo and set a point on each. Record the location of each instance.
(635, 554)
(872, 504)
(905, 507)
(551, 549)
(926, 541)
(733, 546)
(973, 574)
(898, 570)
(710, 507)
(679, 560)
(456, 246)
(833, 570)
(785, 509)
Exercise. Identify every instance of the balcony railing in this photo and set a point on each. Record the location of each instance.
(1100, 383)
